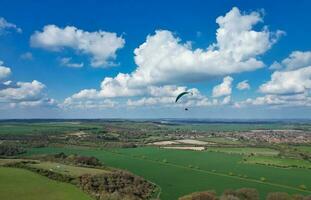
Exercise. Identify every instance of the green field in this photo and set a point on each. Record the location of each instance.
(217, 127)
(245, 150)
(67, 169)
(13, 128)
(306, 149)
(279, 162)
(32, 186)
(182, 172)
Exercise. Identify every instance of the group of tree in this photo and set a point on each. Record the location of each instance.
(10, 150)
(73, 159)
(118, 185)
(242, 194)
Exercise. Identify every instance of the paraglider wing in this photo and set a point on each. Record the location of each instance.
(181, 94)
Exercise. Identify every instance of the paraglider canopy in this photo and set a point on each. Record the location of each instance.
(182, 94)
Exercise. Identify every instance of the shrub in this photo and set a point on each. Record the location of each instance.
(303, 187)
(10, 150)
(263, 179)
(247, 194)
(278, 196)
(200, 196)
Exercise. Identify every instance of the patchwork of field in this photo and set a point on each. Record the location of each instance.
(32, 186)
(181, 172)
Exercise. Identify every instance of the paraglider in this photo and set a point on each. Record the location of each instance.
(181, 95)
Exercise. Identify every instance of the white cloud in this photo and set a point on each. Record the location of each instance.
(81, 103)
(67, 62)
(288, 82)
(101, 45)
(223, 89)
(163, 58)
(243, 85)
(226, 100)
(277, 100)
(44, 102)
(22, 94)
(5, 26)
(22, 91)
(276, 66)
(4, 71)
(296, 60)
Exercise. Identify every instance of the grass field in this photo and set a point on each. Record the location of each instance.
(35, 187)
(279, 162)
(67, 169)
(306, 149)
(180, 172)
(245, 150)
(42, 128)
(216, 127)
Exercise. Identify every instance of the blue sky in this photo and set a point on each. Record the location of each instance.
(78, 60)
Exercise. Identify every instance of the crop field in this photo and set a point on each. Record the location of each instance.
(306, 149)
(41, 128)
(245, 150)
(279, 162)
(179, 172)
(67, 169)
(216, 127)
(32, 186)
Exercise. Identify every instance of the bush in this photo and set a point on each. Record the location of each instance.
(303, 187)
(10, 150)
(247, 194)
(120, 184)
(263, 179)
(278, 196)
(200, 196)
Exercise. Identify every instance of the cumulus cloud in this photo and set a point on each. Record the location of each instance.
(288, 82)
(223, 89)
(4, 71)
(277, 101)
(6, 26)
(243, 85)
(68, 63)
(154, 95)
(22, 94)
(296, 60)
(101, 45)
(77, 103)
(163, 59)
(23, 91)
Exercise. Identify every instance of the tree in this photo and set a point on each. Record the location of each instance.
(207, 195)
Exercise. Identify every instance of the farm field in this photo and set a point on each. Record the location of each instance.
(216, 127)
(245, 150)
(279, 162)
(304, 148)
(67, 169)
(32, 186)
(41, 128)
(173, 170)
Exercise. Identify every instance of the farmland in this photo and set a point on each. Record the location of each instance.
(35, 187)
(205, 170)
(269, 157)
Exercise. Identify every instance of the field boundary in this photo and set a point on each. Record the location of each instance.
(214, 173)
